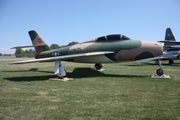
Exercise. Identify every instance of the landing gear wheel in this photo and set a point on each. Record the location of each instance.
(159, 72)
(171, 62)
(98, 66)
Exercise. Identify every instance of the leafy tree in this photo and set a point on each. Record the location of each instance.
(19, 52)
(7, 55)
(31, 53)
(54, 46)
(72, 43)
(1, 54)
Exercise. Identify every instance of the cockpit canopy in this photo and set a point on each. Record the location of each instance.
(114, 37)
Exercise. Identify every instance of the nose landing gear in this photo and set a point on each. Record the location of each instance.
(159, 72)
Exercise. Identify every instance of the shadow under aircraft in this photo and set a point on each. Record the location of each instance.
(76, 73)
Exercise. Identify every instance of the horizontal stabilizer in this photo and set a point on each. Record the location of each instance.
(147, 60)
(65, 57)
(26, 46)
(175, 46)
(174, 42)
(172, 46)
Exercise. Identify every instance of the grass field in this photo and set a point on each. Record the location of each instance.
(122, 91)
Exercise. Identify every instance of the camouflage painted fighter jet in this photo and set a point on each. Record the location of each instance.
(105, 49)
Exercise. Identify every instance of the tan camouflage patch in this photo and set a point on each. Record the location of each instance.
(154, 48)
(38, 41)
(81, 45)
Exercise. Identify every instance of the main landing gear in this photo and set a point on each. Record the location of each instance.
(59, 70)
(171, 62)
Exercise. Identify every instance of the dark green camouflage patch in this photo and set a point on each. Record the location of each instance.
(144, 55)
(32, 34)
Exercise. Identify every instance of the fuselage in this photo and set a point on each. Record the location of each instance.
(123, 50)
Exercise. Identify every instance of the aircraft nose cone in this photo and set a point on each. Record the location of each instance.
(155, 48)
(159, 48)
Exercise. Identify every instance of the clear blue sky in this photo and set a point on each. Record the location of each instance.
(64, 21)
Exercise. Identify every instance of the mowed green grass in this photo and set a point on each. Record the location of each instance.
(122, 91)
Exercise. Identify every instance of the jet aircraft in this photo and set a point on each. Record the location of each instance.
(171, 47)
(171, 54)
(106, 49)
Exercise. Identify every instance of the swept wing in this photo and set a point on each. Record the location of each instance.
(65, 57)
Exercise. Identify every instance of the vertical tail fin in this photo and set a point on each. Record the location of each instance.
(38, 42)
(169, 35)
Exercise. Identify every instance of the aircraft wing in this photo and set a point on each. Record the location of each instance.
(26, 46)
(65, 57)
(147, 60)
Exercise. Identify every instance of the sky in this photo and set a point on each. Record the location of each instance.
(63, 21)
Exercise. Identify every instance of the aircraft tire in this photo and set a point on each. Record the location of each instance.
(98, 66)
(159, 72)
(171, 62)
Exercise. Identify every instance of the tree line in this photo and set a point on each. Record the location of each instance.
(30, 53)
(5, 54)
